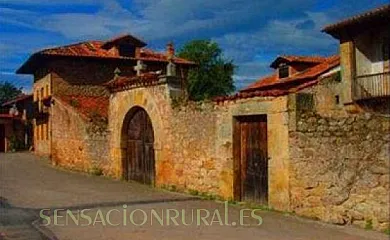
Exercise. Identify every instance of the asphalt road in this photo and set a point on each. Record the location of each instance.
(33, 195)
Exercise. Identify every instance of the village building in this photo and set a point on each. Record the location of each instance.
(364, 50)
(16, 124)
(300, 140)
(74, 75)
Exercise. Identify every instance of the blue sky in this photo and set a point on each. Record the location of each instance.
(251, 32)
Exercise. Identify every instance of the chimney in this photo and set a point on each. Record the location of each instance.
(170, 51)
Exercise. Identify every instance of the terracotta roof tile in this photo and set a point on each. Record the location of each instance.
(309, 73)
(17, 99)
(95, 49)
(123, 82)
(271, 86)
(6, 115)
(299, 59)
(382, 11)
(265, 81)
(87, 105)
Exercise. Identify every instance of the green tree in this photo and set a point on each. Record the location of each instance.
(8, 91)
(213, 74)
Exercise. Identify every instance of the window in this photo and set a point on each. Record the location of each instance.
(127, 50)
(283, 71)
(46, 90)
(38, 132)
(337, 99)
(42, 132)
(47, 131)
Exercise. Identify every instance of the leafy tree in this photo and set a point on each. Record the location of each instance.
(213, 74)
(8, 91)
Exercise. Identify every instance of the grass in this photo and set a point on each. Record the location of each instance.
(369, 225)
(387, 231)
(96, 171)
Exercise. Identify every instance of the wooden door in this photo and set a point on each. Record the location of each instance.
(251, 159)
(140, 151)
(2, 138)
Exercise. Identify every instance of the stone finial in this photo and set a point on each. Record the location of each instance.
(170, 51)
(171, 69)
(139, 67)
(14, 110)
(117, 72)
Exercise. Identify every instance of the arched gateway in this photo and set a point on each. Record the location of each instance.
(138, 161)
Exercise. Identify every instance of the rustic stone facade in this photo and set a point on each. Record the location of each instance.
(193, 142)
(41, 124)
(78, 143)
(325, 162)
(339, 169)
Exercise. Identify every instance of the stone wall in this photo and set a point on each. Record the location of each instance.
(339, 160)
(194, 141)
(339, 168)
(62, 87)
(76, 142)
(325, 162)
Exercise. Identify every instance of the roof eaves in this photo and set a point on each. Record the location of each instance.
(382, 11)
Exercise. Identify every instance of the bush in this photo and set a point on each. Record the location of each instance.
(97, 171)
(16, 144)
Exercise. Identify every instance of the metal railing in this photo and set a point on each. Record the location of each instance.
(371, 86)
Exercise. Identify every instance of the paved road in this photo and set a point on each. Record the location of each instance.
(29, 184)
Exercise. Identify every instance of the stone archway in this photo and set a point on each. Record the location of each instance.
(138, 161)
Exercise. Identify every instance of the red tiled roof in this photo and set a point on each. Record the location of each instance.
(299, 59)
(17, 99)
(382, 12)
(6, 115)
(87, 106)
(271, 86)
(95, 49)
(124, 82)
(309, 73)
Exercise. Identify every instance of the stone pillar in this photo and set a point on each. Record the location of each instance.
(175, 90)
(347, 62)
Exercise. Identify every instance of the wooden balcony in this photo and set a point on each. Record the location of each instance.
(371, 86)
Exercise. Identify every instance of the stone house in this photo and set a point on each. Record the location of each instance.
(364, 47)
(300, 140)
(68, 92)
(15, 124)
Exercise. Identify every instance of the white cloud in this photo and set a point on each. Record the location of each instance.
(250, 32)
(48, 2)
(254, 50)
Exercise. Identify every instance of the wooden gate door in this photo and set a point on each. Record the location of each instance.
(2, 138)
(140, 151)
(251, 159)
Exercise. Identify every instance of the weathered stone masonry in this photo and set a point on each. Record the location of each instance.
(193, 142)
(339, 168)
(78, 143)
(325, 163)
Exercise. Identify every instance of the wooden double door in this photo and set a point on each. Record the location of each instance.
(139, 162)
(251, 159)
